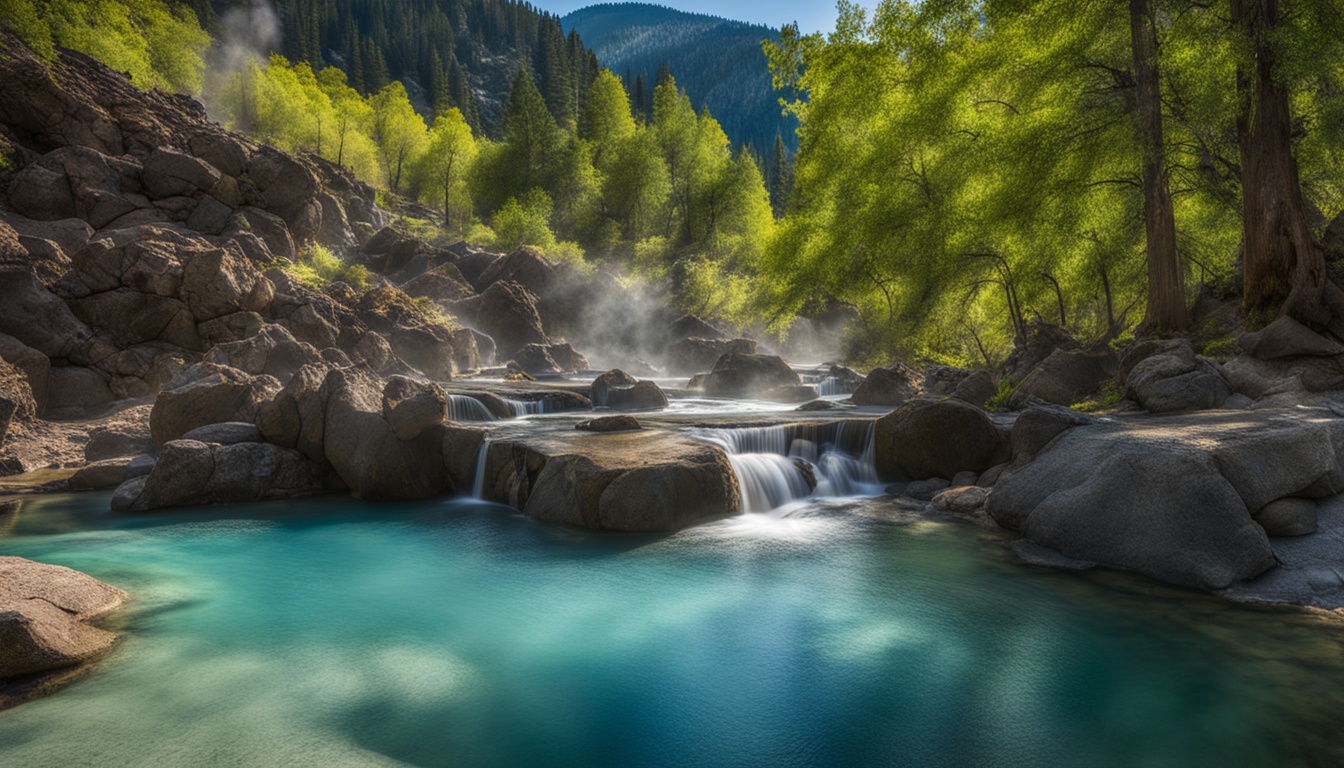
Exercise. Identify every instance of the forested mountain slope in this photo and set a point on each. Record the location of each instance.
(718, 61)
(449, 53)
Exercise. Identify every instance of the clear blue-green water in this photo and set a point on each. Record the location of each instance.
(450, 633)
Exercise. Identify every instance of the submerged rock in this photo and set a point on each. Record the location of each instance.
(190, 472)
(609, 424)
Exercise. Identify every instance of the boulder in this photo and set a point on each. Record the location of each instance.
(790, 393)
(643, 395)
(207, 393)
(823, 405)
(39, 319)
(1288, 517)
(366, 452)
(1037, 425)
(75, 391)
(975, 387)
(536, 359)
(16, 398)
(644, 480)
(526, 267)
(888, 386)
(422, 338)
(609, 424)
(100, 475)
(272, 351)
(605, 383)
(1168, 383)
(44, 615)
(507, 312)
(226, 433)
(743, 375)
(410, 407)
(1183, 523)
(121, 440)
(1040, 340)
(925, 490)
(936, 438)
(442, 284)
(1286, 337)
(35, 367)
(1066, 377)
(191, 472)
(963, 500)
(693, 355)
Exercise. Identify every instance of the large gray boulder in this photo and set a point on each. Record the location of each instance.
(1286, 337)
(936, 438)
(695, 354)
(1172, 497)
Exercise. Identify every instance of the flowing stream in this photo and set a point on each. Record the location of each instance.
(330, 633)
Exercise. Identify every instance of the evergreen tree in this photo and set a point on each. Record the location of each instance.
(531, 137)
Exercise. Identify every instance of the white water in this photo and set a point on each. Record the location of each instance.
(478, 482)
(764, 459)
(467, 408)
(529, 407)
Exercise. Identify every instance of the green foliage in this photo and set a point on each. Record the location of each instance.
(157, 44)
(442, 168)
(1111, 394)
(318, 267)
(524, 222)
(999, 401)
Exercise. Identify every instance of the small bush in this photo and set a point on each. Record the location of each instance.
(319, 267)
(1000, 399)
(1111, 394)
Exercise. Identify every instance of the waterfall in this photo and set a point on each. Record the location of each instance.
(529, 407)
(467, 408)
(840, 454)
(827, 385)
(478, 482)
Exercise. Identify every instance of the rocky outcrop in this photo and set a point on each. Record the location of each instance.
(694, 355)
(16, 398)
(975, 387)
(936, 438)
(628, 481)
(45, 615)
(192, 472)
(507, 312)
(1167, 377)
(1173, 498)
(550, 359)
(742, 375)
(208, 394)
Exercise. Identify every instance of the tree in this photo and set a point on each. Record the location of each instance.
(781, 176)
(1284, 266)
(531, 137)
(1166, 288)
(606, 119)
(448, 155)
(397, 130)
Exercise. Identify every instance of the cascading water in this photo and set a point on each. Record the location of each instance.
(478, 482)
(467, 408)
(827, 385)
(767, 461)
(529, 407)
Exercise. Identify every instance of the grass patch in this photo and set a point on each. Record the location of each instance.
(1110, 396)
(318, 267)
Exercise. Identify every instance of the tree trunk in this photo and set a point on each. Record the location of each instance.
(1166, 288)
(1284, 268)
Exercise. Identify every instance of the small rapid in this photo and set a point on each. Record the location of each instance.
(467, 408)
(781, 464)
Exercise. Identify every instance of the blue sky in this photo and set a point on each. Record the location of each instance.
(811, 15)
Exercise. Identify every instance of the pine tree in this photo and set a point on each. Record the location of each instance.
(531, 136)
(639, 97)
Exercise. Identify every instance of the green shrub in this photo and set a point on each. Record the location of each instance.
(1000, 399)
(1111, 394)
(318, 267)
